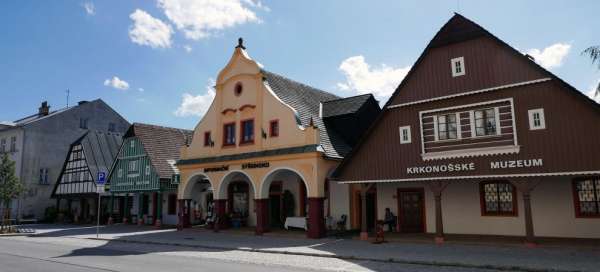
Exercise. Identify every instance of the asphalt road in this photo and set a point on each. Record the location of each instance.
(44, 257)
(66, 254)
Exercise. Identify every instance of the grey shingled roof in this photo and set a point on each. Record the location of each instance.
(100, 150)
(306, 100)
(348, 105)
(162, 144)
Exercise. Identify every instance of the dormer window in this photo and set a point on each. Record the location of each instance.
(458, 66)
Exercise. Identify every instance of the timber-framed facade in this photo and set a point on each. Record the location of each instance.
(496, 145)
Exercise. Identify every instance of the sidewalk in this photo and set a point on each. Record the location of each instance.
(502, 257)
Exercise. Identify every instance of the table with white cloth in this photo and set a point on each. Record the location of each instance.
(295, 222)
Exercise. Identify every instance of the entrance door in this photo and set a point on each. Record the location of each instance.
(275, 210)
(411, 207)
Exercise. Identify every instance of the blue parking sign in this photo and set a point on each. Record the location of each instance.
(101, 178)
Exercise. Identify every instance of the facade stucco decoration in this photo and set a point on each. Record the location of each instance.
(279, 138)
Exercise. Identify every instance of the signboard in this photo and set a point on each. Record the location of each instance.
(100, 189)
(252, 165)
(216, 169)
(101, 178)
(471, 166)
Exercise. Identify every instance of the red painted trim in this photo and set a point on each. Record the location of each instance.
(207, 138)
(225, 134)
(271, 132)
(243, 107)
(225, 111)
(242, 127)
(577, 203)
(514, 213)
(423, 208)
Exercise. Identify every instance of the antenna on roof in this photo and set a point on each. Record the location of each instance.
(67, 91)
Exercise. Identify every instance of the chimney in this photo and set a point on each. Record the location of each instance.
(81, 102)
(44, 109)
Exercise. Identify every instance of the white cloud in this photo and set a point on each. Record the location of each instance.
(551, 56)
(141, 90)
(89, 7)
(187, 48)
(150, 31)
(361, 78)
(196, 105)
(116, 83)
(200, 18)
(257, 4)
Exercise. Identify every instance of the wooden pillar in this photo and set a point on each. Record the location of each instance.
(154, 207)
(437, 187)
(180, 213)
(526, 187)
(262, 215)
(140, 216)
(316, 218)
(220, 220)
(82, 208)
(126, 209)
(158, 215)
(364, 228)
(111, 207)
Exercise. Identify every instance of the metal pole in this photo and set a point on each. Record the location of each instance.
(98, 218)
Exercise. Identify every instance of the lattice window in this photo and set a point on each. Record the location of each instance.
(498, 198)
(587, 197)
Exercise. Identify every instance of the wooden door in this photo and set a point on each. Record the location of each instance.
(411, 210)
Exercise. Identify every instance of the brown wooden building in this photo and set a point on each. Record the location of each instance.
(479, 139)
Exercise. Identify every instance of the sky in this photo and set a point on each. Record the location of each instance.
(155, 61)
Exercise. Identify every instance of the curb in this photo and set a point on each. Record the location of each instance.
(349, 257)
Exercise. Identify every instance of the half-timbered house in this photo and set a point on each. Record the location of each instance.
(75, 191)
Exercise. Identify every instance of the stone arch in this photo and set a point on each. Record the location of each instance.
(194, 179)
(269, 177)
(221, 193)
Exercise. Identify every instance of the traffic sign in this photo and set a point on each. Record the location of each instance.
(101, 178)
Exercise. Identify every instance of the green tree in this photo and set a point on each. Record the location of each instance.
(593, 52)
(10, 186)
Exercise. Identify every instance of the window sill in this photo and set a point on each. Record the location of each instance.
(471, 152)
(500, 215)
(247, 143)
(228, 146)
(584, 216)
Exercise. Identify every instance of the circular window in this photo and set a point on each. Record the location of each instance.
(238, 89)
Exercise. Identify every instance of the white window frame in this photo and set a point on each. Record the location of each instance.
(458, 128)
(147, 170)
(496, 121)
(133, 165)
(531, 113)
(453, 62)
(407, 130)
(120, 173)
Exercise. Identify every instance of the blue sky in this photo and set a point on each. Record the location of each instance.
(152, 60)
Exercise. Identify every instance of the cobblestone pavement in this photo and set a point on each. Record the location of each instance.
(353, 255)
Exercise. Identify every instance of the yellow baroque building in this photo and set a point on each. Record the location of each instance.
(262, 154)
